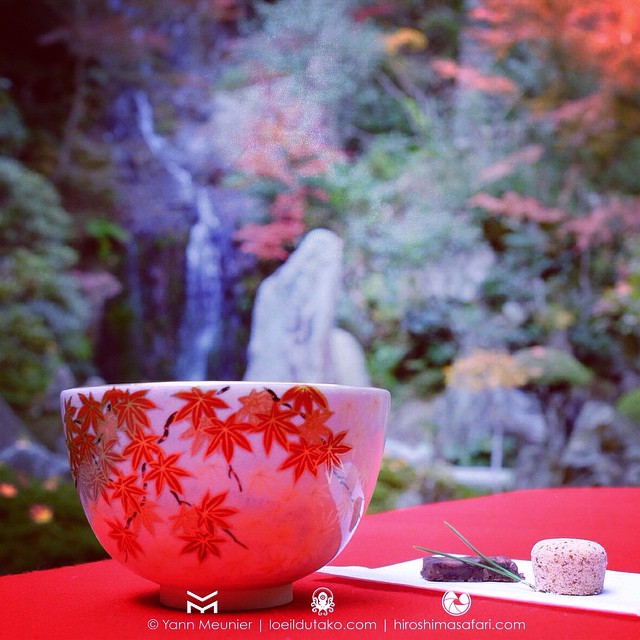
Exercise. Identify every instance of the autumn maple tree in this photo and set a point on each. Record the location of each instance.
(587, 57)
(285, 147)
(594, 36)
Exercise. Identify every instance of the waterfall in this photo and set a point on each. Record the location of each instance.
(200, 329)
(161, 149)
(199, 333)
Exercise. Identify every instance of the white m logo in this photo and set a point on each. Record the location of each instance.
(192, 605)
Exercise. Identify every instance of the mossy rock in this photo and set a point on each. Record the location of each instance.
(549, 366)
(628, 404)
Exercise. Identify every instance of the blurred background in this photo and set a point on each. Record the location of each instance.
(474, 166)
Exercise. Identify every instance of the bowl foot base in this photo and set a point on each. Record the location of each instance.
(243, 599)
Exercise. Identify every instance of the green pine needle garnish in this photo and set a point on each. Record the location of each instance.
(487, 563)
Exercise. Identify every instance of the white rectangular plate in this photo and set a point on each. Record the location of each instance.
(621, 592)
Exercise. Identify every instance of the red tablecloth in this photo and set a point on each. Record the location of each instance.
(104, 600)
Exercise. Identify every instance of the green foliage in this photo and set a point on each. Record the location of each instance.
(28, 545)
(322, 47)
(398, 206)
(549, 366)
(106, 234)
(628, 404)
(430, 330)
(31, 214)
(41, 313)
(28, 355)
(395, 477)
(12, 131)
(622, 171)
(433, 484)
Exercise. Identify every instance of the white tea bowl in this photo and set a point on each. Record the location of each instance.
(235, 487)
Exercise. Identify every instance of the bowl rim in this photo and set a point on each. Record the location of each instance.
(168, 384)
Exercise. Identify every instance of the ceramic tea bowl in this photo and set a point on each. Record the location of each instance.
(235, 487)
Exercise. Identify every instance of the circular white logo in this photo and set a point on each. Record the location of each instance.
(456, 604)
(322, 601)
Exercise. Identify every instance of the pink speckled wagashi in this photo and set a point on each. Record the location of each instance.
(239, 487)
(569, 566)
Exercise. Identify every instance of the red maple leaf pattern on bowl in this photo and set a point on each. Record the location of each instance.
(118, 458)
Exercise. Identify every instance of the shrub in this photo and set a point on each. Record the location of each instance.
(43, 525)
(41, 312)
(628, 404)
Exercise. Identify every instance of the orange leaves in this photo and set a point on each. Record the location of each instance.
(304, 397)
(106, 456)
(471, 78)
(516, 206)
(610, 218)
(314, 427)
(287, 142)
(589, 35)
(286, 145)
(585, 46)
(295, 423)
(578, 120)
(81, 447)
(611, 39)
(200, 524)
(331, 450)
(147, 517)
(500, 24)
(483, 369)
(203, 543)
(601, 225)
(268, 241)
(256, 402)
(90, 412)
(404, 39)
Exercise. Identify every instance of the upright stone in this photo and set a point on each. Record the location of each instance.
(348, 361)
(294, 314)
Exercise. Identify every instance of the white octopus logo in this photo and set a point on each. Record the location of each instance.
(456, 604)
(322, 601)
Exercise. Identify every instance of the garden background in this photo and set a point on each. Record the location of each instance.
(480, 161)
